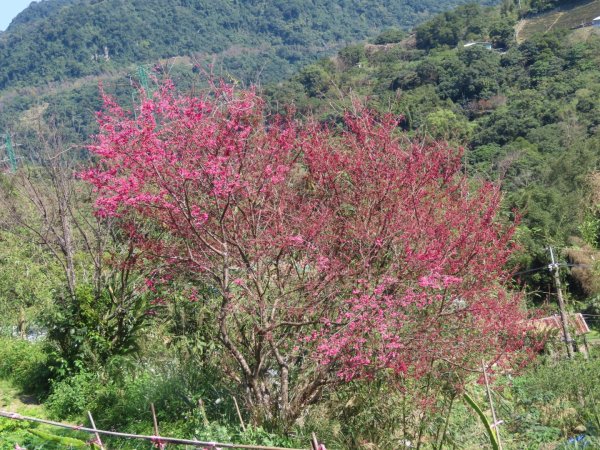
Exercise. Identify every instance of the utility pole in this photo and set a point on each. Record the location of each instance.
(553, 267)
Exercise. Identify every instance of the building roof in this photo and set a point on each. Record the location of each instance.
(470, 44)
(576, 323)
(597, 18)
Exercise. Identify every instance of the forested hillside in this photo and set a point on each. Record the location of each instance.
(56, 52)
(256, 40)
(527, 114)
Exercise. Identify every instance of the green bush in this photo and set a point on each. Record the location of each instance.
(26, 365)
(35, 437)
(119, 403)
(72, 396)
(390, 36)
(125, 405)
(564, 393)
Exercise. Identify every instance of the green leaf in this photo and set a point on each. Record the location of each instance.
(491, 433)
(71, 442)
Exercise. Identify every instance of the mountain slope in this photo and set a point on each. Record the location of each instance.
(38, 10)
(60, 39)
(566, 16)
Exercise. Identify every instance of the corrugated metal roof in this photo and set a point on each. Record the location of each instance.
(576, 323)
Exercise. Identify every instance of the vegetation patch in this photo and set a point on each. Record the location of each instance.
(568, 16)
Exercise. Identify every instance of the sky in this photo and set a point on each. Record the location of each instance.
(9, 9)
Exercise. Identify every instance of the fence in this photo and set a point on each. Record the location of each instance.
(159, 441)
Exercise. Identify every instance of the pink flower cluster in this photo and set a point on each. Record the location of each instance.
(353, 242)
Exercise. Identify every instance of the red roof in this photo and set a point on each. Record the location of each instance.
(576, 323)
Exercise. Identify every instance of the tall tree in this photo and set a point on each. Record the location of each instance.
(98, 305)
(332, 254)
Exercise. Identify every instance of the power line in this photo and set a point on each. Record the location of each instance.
(530, 270)
(536, 269)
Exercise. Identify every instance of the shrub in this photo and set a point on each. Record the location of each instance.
(566, 393)
(122, 403)
(26, 364)
(390, 36)
(73, 396)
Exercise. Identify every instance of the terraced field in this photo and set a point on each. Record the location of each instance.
(567, 17)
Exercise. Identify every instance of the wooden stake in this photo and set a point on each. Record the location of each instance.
(98, 440)
(489, 394)
(154, 421)
(315, 442)
(237, 408)
(155, 424)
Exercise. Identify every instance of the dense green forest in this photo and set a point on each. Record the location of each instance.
(255, 40)
(91, 319)
(55, 52)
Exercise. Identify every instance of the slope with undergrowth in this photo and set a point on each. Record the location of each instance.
(568, 16)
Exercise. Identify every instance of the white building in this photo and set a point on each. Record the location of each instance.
(487, 45)
(596, 22)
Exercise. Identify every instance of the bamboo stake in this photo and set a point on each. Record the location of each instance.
(98, 440)
(154, 421)
(496, 425)
(155, 425)
(237, 408)
(196, 443)
(315, 442)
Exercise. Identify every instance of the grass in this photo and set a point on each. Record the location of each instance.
(11, 400)
(567, 17)
(32, 436)
(593, 337)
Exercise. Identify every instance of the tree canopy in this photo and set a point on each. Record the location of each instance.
(330, 255)
(53, 41)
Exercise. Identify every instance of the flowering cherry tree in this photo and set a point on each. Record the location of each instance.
(334, 253)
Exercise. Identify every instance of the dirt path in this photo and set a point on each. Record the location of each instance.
(11, 400)
(559, 15)
(518, 29)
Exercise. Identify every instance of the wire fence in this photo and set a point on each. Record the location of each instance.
(158, 441)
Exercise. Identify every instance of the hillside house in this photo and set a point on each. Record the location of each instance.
(553, 325)
(596, 22)
(576, 321)
(486, 45)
